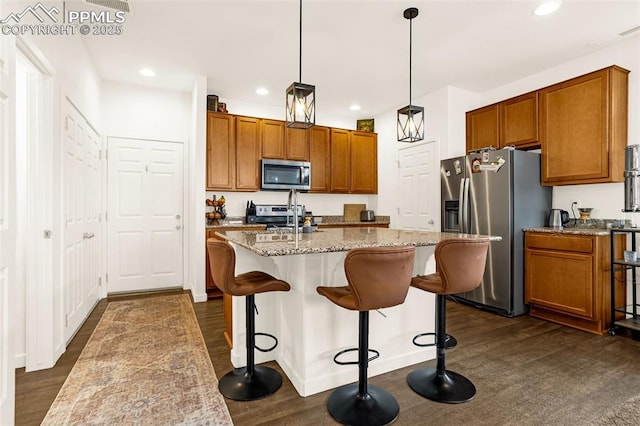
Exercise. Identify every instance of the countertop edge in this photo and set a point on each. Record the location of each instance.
(569, 231)
(430, 240)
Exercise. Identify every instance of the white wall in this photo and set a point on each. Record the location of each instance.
(444, 122)
(194, 207)
(278, 113)
(76, 73)
(139, 112)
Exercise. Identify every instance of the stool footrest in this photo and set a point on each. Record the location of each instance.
(424, 345)
(267, 349)
(335, 358)
(449, 340)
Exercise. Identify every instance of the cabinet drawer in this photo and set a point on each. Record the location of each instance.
(560, 242)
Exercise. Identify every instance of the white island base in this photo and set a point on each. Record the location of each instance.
(311, 330)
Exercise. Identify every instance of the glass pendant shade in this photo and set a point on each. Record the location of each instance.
(301, 106)
(411, 124)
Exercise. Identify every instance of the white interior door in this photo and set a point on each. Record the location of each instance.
(81, 215)
(419, 186)
(144, 223)
(7, 225)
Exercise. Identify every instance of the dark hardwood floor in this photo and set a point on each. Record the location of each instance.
(527, 372)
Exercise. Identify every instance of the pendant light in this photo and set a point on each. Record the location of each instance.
(411, 117)
(301, 98)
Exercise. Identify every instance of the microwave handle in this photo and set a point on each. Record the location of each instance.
(301, 175)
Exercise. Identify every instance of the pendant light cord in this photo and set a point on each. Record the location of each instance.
(300, 76)
(410, 49)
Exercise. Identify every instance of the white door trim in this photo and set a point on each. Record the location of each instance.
(40, 348)
(7, 225)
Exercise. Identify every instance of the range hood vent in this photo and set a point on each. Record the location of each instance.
(121, 5)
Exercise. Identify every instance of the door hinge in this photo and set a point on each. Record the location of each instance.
(106, 154)
(66, 320)
(100, 155)
(106, 215)
(106, 277)
(99, 281)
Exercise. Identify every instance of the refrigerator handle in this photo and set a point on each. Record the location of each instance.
(465, 213)
(461, 205)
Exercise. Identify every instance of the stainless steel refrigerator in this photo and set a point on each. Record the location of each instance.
(496, 193)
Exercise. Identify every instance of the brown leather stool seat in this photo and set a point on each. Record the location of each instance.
(251, 382)
(460, 266)
(378, 278)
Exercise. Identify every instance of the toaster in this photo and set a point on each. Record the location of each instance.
(367, 216)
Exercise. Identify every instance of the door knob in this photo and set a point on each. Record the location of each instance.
(178, 227)
(178, 216)
(430, 222)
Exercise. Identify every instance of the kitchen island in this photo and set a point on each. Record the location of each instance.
(312, 330)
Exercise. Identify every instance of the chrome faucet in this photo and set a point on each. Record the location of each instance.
(293, 194)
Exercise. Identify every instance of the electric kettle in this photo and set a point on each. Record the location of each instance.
(558, 218)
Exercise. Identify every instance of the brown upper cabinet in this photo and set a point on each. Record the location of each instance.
(519, 122)
(583, 128)
(221, 151)
(283, 143)
(320, 158)
(364, 163)
(342, 161)
(247, 154)
(297, 144)
(273, 143)
(513, 122)
(354, 162)
(580, 126)
(482, 128)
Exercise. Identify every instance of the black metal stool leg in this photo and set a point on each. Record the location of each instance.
(363, 404)
(253, 381)
(439, 384)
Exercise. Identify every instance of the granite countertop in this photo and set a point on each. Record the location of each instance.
(239, 222)
(570, 231)
(274, 243)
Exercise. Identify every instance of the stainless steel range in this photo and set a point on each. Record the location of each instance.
(272, 214)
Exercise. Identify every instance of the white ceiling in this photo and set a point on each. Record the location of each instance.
(353, 51)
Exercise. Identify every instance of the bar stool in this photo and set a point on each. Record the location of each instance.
(378, 278)
(253, 381)
(460, 266)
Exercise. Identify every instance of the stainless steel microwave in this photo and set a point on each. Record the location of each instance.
(285, 174)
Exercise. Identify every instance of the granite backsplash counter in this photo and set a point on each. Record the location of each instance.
(581, 227)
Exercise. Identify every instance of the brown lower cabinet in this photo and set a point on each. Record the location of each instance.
(567, 279)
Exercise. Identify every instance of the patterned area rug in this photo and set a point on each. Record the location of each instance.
(145, 363)
(627, 414)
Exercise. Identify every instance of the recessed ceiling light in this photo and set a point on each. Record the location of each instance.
(547, 7)
(147, 72)
(262, 91)
(354, 107)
